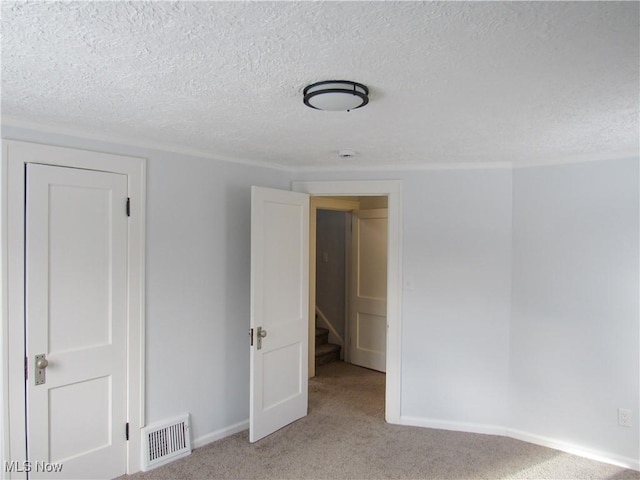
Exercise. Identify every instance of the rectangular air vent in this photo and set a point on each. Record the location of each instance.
(165, 442)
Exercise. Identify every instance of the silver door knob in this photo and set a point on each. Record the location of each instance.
(42, 363)
(261, 334)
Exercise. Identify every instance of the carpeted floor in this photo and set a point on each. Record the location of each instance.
(345, 437)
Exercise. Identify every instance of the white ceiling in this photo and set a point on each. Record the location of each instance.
(452, 83)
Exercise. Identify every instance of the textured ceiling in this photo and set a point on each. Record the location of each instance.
(451, 82)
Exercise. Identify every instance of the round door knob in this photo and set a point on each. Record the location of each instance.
(262, 333)
(42, 363)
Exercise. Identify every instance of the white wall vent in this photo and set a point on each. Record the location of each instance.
(165, 442)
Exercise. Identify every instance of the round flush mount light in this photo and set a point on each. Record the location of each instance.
(336, 95)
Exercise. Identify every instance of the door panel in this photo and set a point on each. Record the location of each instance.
(372, 251)
(66, 334)
(279, 305)
(368, 329)
(368, 292)
(76, 299)
(93, 416)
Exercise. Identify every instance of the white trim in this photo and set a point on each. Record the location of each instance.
(404, 167)
(480, 165)
(10, 121)
(16, 156)
(393, 190)
(221, 433)
(5, 441)
(577, 450)
(572, 449)
(453, 426)
(577, 158)
(329, 326)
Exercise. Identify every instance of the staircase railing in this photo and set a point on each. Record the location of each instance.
(334, 337)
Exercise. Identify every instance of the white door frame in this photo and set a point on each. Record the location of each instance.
(392, 189)
(12, 215)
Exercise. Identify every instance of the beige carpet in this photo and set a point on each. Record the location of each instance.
(345, 437)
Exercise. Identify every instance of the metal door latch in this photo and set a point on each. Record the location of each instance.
(41, 364)
(260, 334)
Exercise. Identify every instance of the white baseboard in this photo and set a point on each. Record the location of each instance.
(220, 434)
(577, 450)
(454, 426)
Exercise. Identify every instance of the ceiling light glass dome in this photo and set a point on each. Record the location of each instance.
(336, 95)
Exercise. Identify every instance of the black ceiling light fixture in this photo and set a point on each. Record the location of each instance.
(336, 95)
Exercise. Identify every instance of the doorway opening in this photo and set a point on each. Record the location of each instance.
(350, 280)
(391, 190)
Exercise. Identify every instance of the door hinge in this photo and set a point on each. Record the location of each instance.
(251, 335)
(126, 431)
(128, 207)
(26, 368)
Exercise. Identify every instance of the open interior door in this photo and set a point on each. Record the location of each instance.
(368, 292)
(279, 308)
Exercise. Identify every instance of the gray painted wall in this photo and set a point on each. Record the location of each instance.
(557, 366)
(455, 320)
(574, 327)
(197, 279)
(331, 228)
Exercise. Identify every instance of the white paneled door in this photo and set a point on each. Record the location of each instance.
(279, 309)
(368, 292)
(76, 301)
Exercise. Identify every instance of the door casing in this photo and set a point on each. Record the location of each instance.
(392, 189)
(16, 155)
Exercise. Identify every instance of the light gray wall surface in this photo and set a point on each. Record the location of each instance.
(455, 320)
(331, 228)
(198, 288)
(557, 364)
(197, 280)
(574, 329)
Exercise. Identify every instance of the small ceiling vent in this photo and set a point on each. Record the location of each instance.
(346, 153)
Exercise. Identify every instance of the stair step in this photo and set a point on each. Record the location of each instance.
(327, 348)
(322, 336)
(327, 353)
